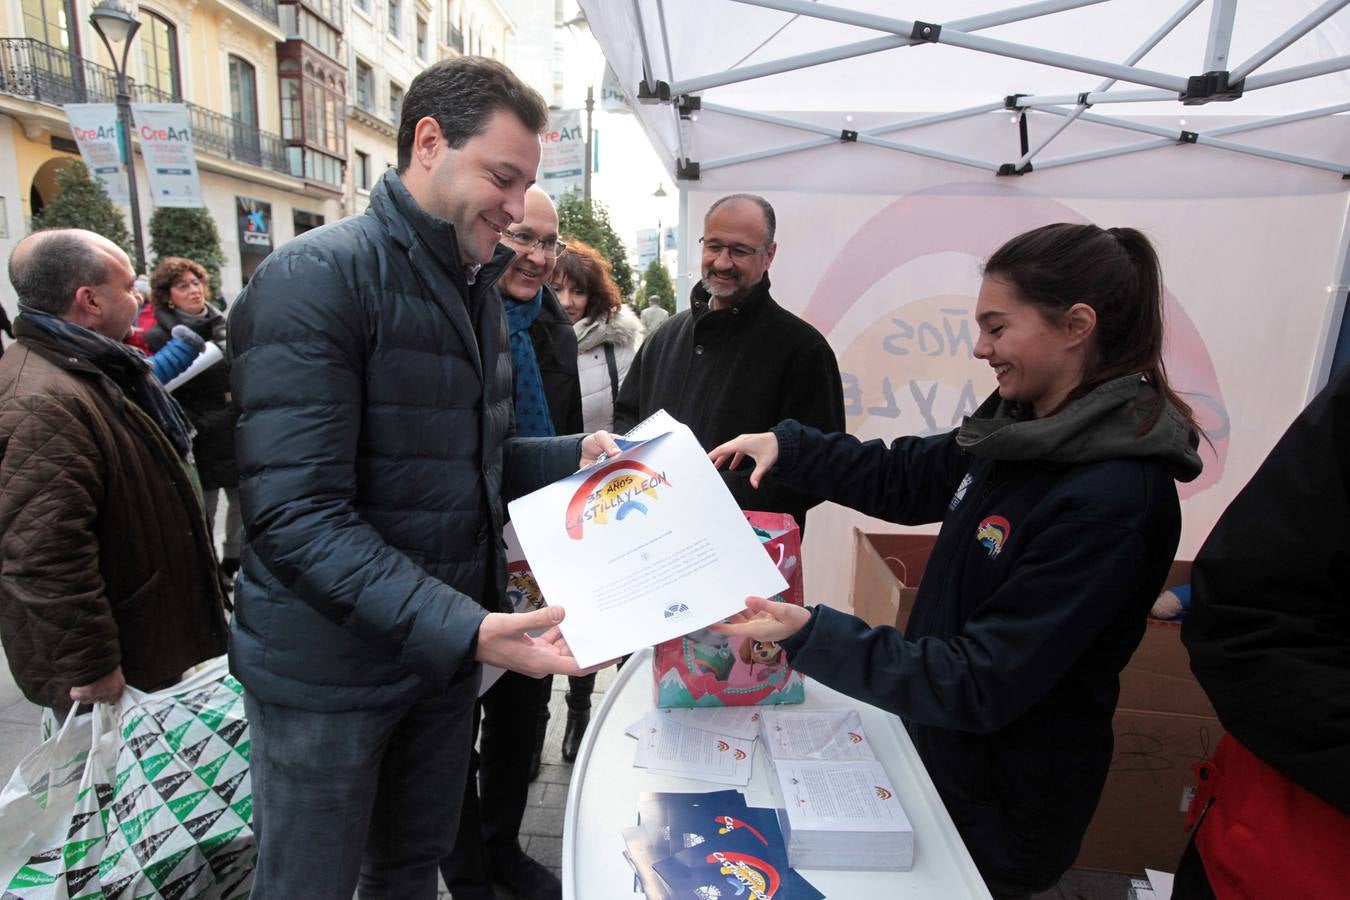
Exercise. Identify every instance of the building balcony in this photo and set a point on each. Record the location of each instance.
(42, 73)
(265, 8)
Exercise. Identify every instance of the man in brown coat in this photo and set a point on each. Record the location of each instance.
(108, 575)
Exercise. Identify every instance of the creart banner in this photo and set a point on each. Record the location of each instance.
(94, 127)
(562, 163)
(165, 134)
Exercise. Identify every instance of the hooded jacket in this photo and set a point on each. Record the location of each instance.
(1056, 537)
(621, 331)
(373, 380)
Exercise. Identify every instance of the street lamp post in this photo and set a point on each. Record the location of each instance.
(660, 237)
(117, 24)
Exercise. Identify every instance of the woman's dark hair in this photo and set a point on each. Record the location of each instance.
(461, 94)
(168, 271)
(589, 273)
(1116, 272)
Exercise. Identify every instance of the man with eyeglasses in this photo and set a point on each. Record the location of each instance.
(514, 711)
(372, 372)
(736, 361)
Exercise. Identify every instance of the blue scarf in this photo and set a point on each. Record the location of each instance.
(532, 415)
(126, 367)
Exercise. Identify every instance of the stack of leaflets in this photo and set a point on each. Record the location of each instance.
(838, 808)
(715, 745)
(701, 846)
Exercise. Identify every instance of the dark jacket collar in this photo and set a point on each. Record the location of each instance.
(44, 345)
(409, 224)
(700, 301)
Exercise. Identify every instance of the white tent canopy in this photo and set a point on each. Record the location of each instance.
(815, 71)
(881, 151)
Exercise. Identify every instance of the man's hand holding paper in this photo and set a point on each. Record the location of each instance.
(642, 548)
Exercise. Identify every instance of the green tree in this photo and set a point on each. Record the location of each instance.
(81, 202)
(589, 221)
(189, 232)
(656, 288)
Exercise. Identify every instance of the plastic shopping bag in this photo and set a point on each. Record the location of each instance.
(146, 799)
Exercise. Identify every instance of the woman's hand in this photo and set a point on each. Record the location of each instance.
(762, 448)
(764, 620)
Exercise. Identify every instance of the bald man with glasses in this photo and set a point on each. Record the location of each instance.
(736, 361)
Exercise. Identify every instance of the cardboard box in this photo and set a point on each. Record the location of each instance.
(886, 573)
(1163, 723)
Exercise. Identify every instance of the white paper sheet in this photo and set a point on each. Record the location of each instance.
(840, 796)
(642, 548)
(815, 734)
(1161, 883)
(669, 748)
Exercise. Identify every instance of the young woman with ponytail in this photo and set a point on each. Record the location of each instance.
(1060, 518)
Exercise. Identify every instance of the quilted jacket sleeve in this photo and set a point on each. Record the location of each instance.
(58, 627)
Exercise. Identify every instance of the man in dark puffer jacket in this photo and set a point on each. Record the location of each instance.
(372, 372)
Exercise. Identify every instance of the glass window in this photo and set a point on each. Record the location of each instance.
(159, 54)
(243, 92)
(363, 170)
(47, 21)
(395, 101)
(291, 128)
(396, 18)
(365, 86)
(422, 38)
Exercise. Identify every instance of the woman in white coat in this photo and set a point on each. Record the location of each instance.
(608, 335)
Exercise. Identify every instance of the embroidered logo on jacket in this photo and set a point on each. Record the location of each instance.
(992, 534)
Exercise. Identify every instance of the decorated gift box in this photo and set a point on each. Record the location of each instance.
(707, 669)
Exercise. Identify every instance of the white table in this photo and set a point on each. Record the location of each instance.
(603, 798)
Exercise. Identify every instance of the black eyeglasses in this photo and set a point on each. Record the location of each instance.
(526, 242)
(737, 251)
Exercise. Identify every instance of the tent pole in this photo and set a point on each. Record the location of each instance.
(648, 73)
(1338, 168)
(1101, 154)
(1279, 120)
(1266, 53)
(708, 165)
(1297, 73)
(1143, 95)
(787, 64)
(933, 119)
(929, 154)
(899, 28)
(1220, 36)
(1153, 40)
(682, 257)
(1070, 61)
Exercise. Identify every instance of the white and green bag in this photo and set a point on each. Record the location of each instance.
(146, 799)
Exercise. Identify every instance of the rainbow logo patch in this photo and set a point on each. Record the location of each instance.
(723, 746)
(854, 737)
(882, 792)
(614, 492)
(992, 534)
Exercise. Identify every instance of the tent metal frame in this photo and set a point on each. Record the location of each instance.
(1214, 83)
